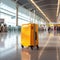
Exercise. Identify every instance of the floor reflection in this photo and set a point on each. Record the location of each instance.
(27, 54)
(10, 48)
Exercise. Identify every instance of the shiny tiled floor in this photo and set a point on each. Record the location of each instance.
(49, 43)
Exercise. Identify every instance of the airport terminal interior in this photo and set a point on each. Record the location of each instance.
(29, 29)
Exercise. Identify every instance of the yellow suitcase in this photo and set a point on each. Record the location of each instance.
(29, 35)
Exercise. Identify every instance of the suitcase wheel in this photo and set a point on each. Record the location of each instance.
(37, 47)
(22, 46)
(31, 47)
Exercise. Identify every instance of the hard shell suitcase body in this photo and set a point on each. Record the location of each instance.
(29, 35)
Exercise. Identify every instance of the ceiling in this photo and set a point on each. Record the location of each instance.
(49, 7)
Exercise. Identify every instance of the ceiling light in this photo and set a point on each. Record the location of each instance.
(58, 8)
(40, 10)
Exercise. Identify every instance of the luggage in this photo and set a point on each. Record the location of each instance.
(29, 35)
